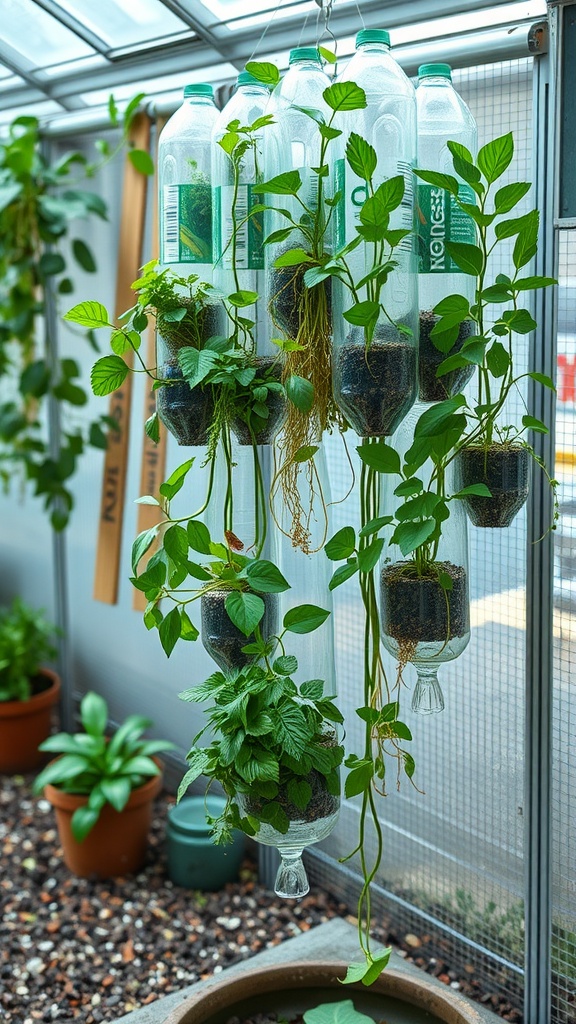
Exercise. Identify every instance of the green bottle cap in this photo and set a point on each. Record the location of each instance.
(198, 89)
(245, 78)
(305, 53)
(435, 71)
(373, 35)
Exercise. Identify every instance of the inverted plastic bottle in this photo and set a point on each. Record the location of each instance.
(376, 385)
(185, 191)
(242, 267)
(442, 116)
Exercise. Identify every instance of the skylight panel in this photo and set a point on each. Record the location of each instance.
(122, 24)
(39, 37)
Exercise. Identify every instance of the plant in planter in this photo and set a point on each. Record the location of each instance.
(492, 452)
(276, 752)
(102, 789)
(28, 690)
(39, 201)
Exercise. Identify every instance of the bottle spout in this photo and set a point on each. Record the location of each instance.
(427, 698)
(291, 880)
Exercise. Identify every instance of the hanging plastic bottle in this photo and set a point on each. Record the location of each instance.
(293, 143)
(442, 116)
(239, 243)
(375, 377)
(308, 575)
(185, 230)
(424, 596)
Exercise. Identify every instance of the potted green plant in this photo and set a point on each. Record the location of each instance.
(28, 689)
(102, 789)
(493, 451)
(275, 752)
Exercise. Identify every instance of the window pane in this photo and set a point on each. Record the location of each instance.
(125, 24)
(37, 35)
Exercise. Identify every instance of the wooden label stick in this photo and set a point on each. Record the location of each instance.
(116, 458)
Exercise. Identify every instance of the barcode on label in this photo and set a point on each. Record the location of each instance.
(170, 240)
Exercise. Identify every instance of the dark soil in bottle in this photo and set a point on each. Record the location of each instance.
(321, 804)
(186, 412)
(222, 639)
(431, 387)
(375, 388)
(416, 609)
(506, 471)
(194, 330)
(286, 290)
(267, 366)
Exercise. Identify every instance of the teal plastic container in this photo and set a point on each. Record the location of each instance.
(194, 861)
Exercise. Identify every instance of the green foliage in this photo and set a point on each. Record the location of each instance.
(275, 743)
(26, 640)
(40, 203)
(105, 770)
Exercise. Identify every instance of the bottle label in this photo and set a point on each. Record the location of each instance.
(440, 220)
(353, 193)
(249, 229)
(186, 235)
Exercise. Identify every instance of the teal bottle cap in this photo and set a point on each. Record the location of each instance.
(245, 78)
(304, 53)
(435, 71)
(198, 89)
(373, 35)
(189, 816)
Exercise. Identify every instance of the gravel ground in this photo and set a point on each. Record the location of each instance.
(76, 949)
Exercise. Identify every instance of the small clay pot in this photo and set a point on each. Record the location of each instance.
(290, 989)
(186, 412)
(24, 724)
(118, 843)
(375, 388)
(222, 639)
(506, 471)
(266, 366)
(416, 609)
(431, 387)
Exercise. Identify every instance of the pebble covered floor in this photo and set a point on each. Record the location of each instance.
(77, 949)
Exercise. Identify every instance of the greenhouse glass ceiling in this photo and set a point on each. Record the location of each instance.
(58, 56)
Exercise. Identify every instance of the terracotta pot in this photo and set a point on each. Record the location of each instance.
(294, 988)
(24, 724)
(118, 842)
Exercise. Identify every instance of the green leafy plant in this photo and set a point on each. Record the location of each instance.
(275, 742)
(491, 350)
(26, 640)
(105, 770)
(40, 200)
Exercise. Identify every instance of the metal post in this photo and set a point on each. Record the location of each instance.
(58, 537)
(539, 583)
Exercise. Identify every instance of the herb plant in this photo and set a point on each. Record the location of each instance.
(106, 771)
(26, 640)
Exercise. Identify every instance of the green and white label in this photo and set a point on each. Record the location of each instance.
(440, 220)
(249, 230)
(186, 235)
(353, 193)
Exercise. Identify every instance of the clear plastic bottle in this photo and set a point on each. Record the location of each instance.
(424, 596)
(184, 176)
(442, 116)
(185, 230)
(293, 142)
(243, 269)
(375, 384)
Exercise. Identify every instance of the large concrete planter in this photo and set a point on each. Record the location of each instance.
(24, 724)
(294, 988)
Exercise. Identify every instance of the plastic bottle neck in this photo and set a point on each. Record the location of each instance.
(435, 80)
(305, 62)
(373, 47)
